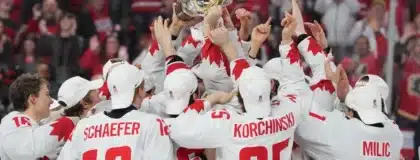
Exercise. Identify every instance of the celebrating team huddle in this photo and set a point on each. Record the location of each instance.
(223, 106)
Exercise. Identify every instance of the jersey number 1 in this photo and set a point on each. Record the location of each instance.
(124, 152)
(261, 153)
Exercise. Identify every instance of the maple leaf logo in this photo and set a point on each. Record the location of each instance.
(293, 55)
(153, 47)
(292, 97)
(190, 40)
(240, 65)
(104, 92)
(314, 47)
(324, 85)
(213, 54)
(198, 106)
(174, 66)
(62, 128)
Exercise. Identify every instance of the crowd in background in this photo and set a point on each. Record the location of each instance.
(63, 38)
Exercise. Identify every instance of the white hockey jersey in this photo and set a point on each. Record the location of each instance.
(235, 135)
(135, 135)
(23, 138)
(331, 135)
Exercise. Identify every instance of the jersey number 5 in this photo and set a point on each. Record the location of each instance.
(261, 153)
(123, 152)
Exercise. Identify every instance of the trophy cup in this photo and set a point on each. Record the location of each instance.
(187, 10)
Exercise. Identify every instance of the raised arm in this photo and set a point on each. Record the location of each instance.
(315, 56)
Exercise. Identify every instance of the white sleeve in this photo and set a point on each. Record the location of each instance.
(192, 130)
(322, 5)
(70, 150)
(157, 144)
(25, 142)
(314, 134)
(315, 56)
(154, 64)
(190, 49)
(354, 6)
(293, 75)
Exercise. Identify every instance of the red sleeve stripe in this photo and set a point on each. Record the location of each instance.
(174, 66)
(317, 116)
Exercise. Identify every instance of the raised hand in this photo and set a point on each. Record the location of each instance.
(227, 20)
(213, 15)
(177, 24)
(289, 27)
(220, 36)
(244, 17)
(318, 33)
(296, 12)
(94, 44)
(261, 32)
(163, 35)
(339, 77)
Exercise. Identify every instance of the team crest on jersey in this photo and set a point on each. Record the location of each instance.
(114, 88)
(374, 103)
(171, 94)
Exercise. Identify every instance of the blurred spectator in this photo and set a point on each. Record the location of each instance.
(95, 56)
(338, 18)
(411, 29)
(26, 58)
(45, 18)
(409, 94)
(63, 48)
(144, 12)
(43, 69)
(365, 56)
(373, 27)
(142, 48)
(350, 67)
(9, 26)
(5, 49)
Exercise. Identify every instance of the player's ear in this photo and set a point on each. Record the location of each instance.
(32, 99)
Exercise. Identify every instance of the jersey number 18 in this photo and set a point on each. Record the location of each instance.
(124, 152)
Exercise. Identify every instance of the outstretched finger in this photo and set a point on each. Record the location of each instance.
(268, 22)
(173, 8)
(166, 23)
(343, 74)
(328, 71)
(308, 24)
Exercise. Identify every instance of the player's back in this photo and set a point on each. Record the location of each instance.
(369, 142)
(268, 138)
(131, 136)
(332, 135)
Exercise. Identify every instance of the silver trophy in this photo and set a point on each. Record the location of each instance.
(189, 9)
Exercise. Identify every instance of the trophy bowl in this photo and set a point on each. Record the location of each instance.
(187, 10)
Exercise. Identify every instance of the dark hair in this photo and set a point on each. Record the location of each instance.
(25, 85)
(67, 16)
(77, 110)
(241, 101)
(102, 54)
